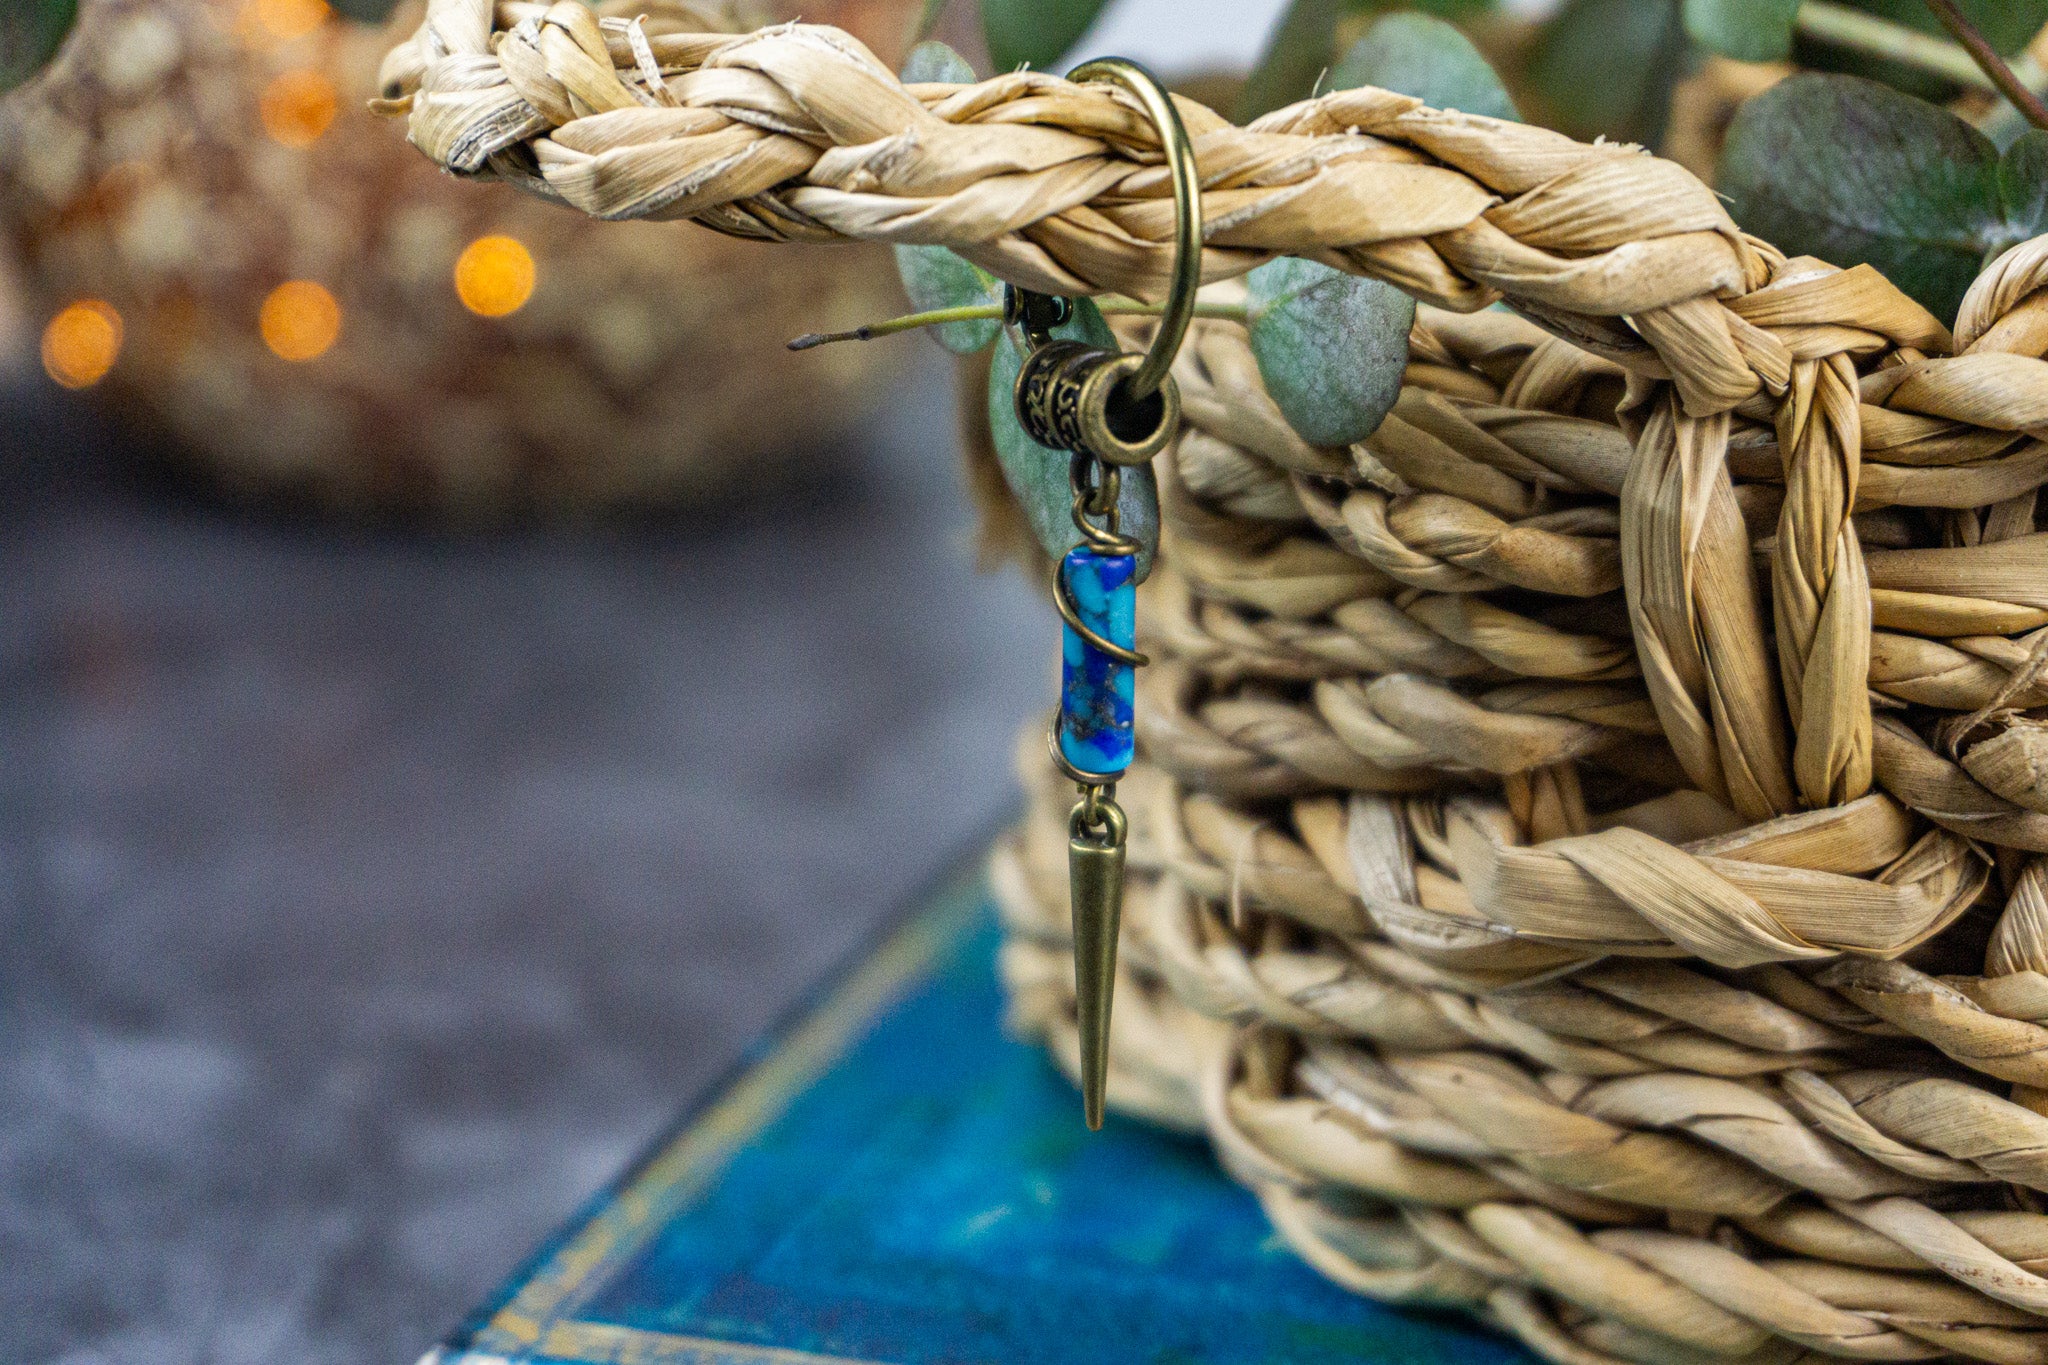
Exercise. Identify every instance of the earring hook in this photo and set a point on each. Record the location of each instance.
(1179, 150)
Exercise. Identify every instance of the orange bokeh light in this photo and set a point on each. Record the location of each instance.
(82, 343)
(300, 320)
(298, 106)
(283, 20)
(494, 276)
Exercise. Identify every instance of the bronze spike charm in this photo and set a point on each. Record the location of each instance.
(1095, 874)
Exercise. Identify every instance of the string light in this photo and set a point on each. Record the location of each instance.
(82, 343)
(300, 320)
(494, 276)
(297, 107)
(284, 20)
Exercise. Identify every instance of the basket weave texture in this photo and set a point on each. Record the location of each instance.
(1588, 847)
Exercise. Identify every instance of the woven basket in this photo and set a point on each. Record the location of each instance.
(1587, 844)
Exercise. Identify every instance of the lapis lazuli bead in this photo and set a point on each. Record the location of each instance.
(1097, 692)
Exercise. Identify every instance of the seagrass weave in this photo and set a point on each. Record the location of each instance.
(1587, 849)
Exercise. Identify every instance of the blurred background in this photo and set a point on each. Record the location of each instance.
(463, 677)
(433, 743)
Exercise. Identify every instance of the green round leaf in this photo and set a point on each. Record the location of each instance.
(1038, 475)
(1413, 54)
(1330, 346)
(932, 62)
(31, 31)
(1605, 68)
(935, 278)
(2005, 24)
(1035, 33)
(2023, 189)
(1747, 30)
(1851, 171)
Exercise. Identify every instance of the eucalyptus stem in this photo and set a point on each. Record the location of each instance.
(1835, 23)
(993, 312)
(1993, 65)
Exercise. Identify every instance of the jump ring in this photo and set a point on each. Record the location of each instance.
(1097, 485)
(1098, 810)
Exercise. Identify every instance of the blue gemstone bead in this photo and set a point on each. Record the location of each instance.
(1096, 691)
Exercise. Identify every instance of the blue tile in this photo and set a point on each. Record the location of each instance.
(924, 1193)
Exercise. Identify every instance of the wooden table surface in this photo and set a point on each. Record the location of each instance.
(369, 897)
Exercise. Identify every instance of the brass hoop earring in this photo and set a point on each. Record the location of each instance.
(1108, 410)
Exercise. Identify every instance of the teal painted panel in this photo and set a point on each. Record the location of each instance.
(893, 1180)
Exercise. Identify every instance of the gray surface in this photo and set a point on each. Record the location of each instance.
(367, 899)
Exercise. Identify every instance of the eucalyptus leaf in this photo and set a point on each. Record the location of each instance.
(1852, 171)
(2023, 188)
(2006, 24)
(932, 62)
(1747, 30)
(1414, 54)
(935, 278)
(1605, 68)
(1330, 346)
(1034, 33)
(31, 31)
(1300, 51)
(932, 276)
(1038, 475)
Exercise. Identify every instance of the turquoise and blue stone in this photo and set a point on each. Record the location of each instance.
(1097, 692)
